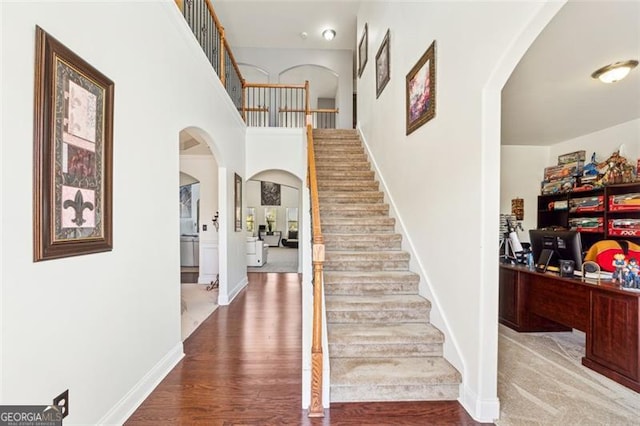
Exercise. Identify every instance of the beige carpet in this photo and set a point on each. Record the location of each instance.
(279, 259)
(541, 381)
(197, 305)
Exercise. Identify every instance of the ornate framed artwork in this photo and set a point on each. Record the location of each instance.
(382, 65)
(362, 50)
(73, 162)
(421, 90)
(237, 203)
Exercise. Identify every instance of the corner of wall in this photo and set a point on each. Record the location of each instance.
(225, 299)
(485, 411)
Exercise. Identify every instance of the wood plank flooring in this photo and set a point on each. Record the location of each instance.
(243, 367)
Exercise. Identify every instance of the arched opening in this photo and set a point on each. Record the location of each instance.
(199, 242)
(323, 88)
(273, 221)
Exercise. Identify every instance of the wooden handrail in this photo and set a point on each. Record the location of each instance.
(315, 408)
(275, 85)
(311, 111)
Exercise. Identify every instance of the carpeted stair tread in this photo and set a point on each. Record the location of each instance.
(368, 241)
(382, 302)
(369, 277)
(348, 185)
(350, 197)
(354, 210)
(393, 379)
(345, 174)
(397, 371)
(384, 334)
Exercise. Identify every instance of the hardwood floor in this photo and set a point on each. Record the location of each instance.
(243, 367)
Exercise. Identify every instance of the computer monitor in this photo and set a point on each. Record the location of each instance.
(558, 244)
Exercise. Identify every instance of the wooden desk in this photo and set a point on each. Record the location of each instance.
(609, 316)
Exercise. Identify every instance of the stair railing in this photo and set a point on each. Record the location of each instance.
(315, 408)
(209, 32)
(276, 105)
(260, 105)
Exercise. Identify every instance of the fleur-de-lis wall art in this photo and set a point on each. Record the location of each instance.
(73, 145)
(79, 205)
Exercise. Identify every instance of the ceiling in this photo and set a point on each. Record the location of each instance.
(549, 98)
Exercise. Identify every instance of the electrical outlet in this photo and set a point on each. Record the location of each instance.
(62, 401)
(204, 227)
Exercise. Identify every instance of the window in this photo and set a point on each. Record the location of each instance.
(251, 220)
(292, 219)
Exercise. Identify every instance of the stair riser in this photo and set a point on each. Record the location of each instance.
(357, 350)
(360, 245)
(366, 266)
(441, 392)
(379, 317)
(346, 174)
(372, 211)
(357, 229)
(370, 289)
(346, 198)
(338, 150)
(348, 186)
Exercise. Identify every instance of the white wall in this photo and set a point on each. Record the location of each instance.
(521, 171)
(603, 143)
(106, 326)
(275, 61)
(442, 180)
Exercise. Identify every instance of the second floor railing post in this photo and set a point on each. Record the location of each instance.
(306, 96)
(222, 64)
(244, 101)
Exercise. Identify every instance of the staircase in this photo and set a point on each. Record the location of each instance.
(381, 344)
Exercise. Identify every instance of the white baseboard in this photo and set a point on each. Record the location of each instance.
(124, 408)
(482, 410)
(224, 300)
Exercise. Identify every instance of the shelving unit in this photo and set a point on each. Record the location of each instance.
(549, 216)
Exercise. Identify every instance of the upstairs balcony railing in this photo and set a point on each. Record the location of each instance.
(259, 104)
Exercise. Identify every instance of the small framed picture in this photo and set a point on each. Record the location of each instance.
(362, 50)
(382, 65)
(421, 90)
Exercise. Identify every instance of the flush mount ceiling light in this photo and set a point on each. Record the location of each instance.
(329, 34)
(614, 72)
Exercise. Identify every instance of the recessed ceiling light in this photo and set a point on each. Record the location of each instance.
(329, 34)
(304, 35)
(614, 72)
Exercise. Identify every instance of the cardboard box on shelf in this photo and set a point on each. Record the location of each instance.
(624, 227)
(587, 204)
(587, 224)
(558, 186)
(625, 202)
(563, 171)
(572, 157)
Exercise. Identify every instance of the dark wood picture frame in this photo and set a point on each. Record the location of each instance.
(421, 90)
(383, 68)
(362, 50)
(237, 202)
(73, 154)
